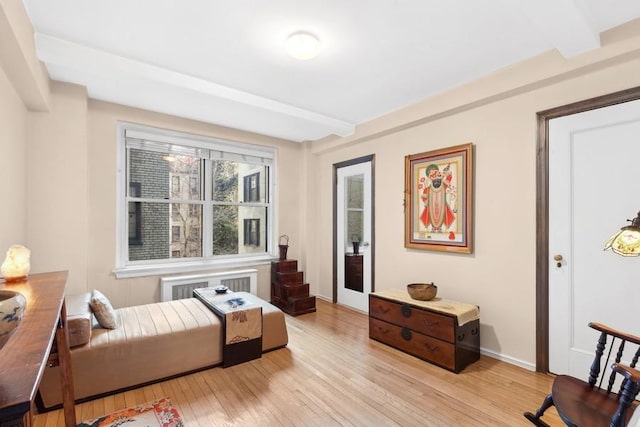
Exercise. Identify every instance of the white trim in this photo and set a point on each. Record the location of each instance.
(512, 360)
(328, 299)
(190, 267)
(121, 209)
(207, 213)
(166, 136)
(125, 268)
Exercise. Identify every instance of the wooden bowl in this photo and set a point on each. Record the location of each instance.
(422, 291)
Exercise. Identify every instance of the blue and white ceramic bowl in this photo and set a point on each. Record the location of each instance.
(12, 305)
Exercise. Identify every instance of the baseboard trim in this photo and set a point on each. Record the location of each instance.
(323, 298)
(512, 360)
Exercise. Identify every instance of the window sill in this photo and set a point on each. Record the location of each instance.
(190, 266)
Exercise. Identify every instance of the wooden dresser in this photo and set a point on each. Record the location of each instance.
(445, 333)
(353, 272)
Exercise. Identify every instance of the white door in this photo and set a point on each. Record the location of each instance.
(594, 166)
(353, 224)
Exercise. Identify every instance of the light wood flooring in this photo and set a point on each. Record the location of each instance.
(332, 374)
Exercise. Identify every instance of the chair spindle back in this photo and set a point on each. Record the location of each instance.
(596, 366)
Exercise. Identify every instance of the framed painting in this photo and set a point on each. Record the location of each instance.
(438, 199)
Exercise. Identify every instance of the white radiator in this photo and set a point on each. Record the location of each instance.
(178, 287)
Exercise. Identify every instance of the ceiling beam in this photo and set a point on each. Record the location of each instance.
(563, 25)
(17, 57)
(115, 73)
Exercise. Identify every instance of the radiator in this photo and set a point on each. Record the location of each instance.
(178, 287)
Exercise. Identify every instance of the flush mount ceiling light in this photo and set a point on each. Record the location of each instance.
(302, 45)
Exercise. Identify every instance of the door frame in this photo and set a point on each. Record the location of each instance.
(336, 166)
(542, 208)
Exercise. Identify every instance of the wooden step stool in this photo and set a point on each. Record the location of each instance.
(288, 290)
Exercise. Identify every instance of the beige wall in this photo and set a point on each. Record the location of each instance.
(57, 166)
(101, 145)
(497, 114)
(23, 88)
(13, 167)
(72, 197)
(67, 153)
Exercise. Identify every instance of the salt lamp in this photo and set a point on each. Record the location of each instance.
(16, 265)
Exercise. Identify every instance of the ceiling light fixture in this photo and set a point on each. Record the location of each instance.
(302, 45)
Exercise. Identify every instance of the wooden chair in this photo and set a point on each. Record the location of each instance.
(587, 404)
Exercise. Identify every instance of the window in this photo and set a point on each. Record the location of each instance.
(175, 185)
(135, 232)
(199, 201)
(176, 232)
(194, 233)
(252, 187)
(175, 212)
(252, 232)
(193, 185)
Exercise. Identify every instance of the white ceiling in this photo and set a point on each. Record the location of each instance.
(223, 62)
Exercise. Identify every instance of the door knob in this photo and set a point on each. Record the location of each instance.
(365, 244)
(558, 259)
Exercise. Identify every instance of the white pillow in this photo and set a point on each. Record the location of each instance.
(103, 310)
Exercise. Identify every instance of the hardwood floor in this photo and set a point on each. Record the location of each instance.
(332, 374)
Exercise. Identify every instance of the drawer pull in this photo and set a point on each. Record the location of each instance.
(405, 310)
(382, 330)
(406, 333)
(431, 348)
(474, 331)
(461, 337)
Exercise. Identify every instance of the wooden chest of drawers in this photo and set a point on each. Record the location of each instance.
(353, 272)
(431, 335)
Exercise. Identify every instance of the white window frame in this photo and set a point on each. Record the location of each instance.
(125, 268)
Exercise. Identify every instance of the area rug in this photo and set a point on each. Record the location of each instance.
(159, 413)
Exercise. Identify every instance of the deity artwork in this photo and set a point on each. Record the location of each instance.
(438, 199)
(437, 187)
